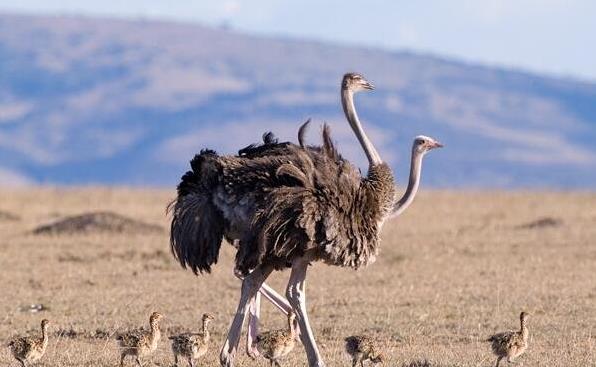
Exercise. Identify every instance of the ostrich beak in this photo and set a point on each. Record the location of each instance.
(436, 144)
(368, 86)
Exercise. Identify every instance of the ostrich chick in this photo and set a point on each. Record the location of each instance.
(275, 344)
(511, 344)
(362, 348)
(192, 346)
(140, 343)
(27, 350)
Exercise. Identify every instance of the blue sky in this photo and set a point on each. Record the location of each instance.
(551, 36)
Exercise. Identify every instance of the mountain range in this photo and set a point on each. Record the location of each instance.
(128, 102)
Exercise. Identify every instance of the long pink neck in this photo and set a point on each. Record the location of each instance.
(347, 101)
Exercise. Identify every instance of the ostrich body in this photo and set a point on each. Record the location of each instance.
(192, 346)
(140, 343)
(511, 344)
(286, 205)
(28, 350)
(276, 344)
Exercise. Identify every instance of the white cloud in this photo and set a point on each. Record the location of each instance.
(11, 111)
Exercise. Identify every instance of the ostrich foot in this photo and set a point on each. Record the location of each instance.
(253, 352)
(227, 355)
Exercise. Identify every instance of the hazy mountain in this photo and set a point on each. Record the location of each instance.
(120, 102)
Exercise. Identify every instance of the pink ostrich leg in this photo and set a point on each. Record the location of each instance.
(296, 293)
(254, 316)
(250, 286)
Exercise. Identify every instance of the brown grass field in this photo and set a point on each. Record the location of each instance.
(456, 267)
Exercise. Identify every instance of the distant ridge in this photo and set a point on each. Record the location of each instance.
(110, 101)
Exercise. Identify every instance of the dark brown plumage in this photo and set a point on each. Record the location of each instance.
(362, 348)
(511, 344)
(28, 350)
(277, 206)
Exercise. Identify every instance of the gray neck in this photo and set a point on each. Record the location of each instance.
(347, 101)
(413, 183)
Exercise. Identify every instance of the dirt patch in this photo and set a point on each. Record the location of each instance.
(8, 216)
(546, 222)
(97, 222)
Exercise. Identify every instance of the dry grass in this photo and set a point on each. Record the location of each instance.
(455, 268)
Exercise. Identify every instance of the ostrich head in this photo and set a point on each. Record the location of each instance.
(423, 144)
(45, 323)
(155, 319)
(523, 316)
(356, 83)
(207, 317)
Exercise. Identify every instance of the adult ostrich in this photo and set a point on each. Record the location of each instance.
(287, 206)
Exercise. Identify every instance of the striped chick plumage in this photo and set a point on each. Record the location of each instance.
(362, 348)
(510, 344)
(140, 343)
(276, 344)
(192, 346)
(28, 350)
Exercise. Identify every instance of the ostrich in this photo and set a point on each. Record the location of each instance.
(28, 350)
(511, 344)
(363, 348)
(140, 343)
(276, 344)
(192, 346)
(287, 206)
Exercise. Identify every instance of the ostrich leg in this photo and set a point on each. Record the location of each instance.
(254, 315)
(278, 300)
(296, 293)
(250, 286)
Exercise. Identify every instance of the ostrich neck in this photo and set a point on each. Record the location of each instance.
(155, 332)
(524, 329)
(413, 183)
(44, 337)
(347, 101)
(205, 330)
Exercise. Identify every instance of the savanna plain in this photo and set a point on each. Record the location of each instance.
(455, 268)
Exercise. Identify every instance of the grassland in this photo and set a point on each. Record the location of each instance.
(455, 268)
